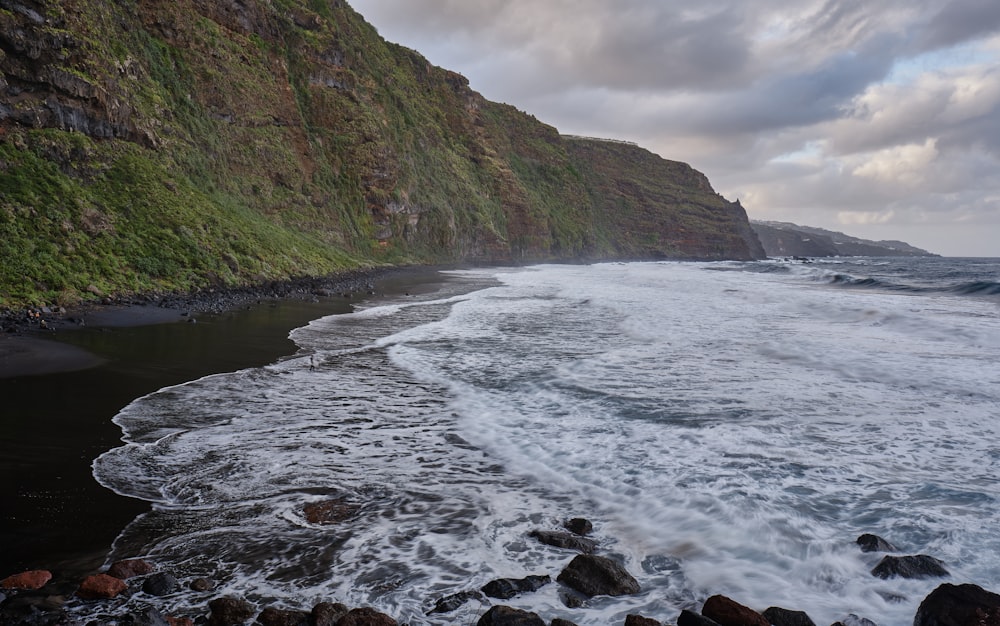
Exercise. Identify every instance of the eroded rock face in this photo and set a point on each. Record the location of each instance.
(959, 605)
(508, 616)
(27, 581)
(598, 576)
(100, 587)
(919, 566)
(728, 612)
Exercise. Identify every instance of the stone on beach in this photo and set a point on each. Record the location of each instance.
(598, 576)
(919, 566)
(328, 613)
(728, 612)
(227, 611)
(785, 617)
(639, 620)
(509, 616)
(281, 617)
(101, 587)
(874, 543)
(450, 603)
(27, 581)
(690, 618)
(130, 568)
(579, 526)
(507, 588)
(959, 605)
(160, 584)
(564, 540)
(366, 617)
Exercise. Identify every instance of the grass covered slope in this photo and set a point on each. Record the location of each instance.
(158, 145)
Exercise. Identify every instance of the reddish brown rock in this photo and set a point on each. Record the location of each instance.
(329, 511)
(727, 612)
(100, 587)
(179, 621)
(959, 605)
(27, 581)
(130, 568)
(366, 617)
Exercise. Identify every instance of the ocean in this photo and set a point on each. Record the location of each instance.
(729, 428)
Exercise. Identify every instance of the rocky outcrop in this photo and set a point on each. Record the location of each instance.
(222, 144)
(593, 575)
(918, 566)
(785, 239)
(959, 605)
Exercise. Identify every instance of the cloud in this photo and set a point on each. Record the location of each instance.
(827, 112)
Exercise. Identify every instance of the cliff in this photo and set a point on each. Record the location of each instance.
(786, 239)
(158, 145)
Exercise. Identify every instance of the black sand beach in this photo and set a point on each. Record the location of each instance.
(61, 390)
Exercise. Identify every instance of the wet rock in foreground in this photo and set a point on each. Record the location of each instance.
(450, 603)
(690, 618)
(598, 576)
(27, 581)
(366, 617)
(579, 526)
(507, 588)
(328, 613)
(785, 617)
(227, 611)
(281, 617)
(639, 620)
(919, 566)
(728, 612)
(130, 568)
(565, 540)
(874, 543)
(100, 587)
(508, 616)
(959, 605)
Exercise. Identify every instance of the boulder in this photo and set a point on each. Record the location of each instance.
(328, 613)
(874, 543)
(959, 605)
(507, 588)
(100, 587)
(179, 621)
(160, 584)
(728, 612)
(27, 581)
(147, 616)
(579, 526)
(919, 566)
(639, 620)
(455, 600)
(130, 568)
(229, 611)
(690, 618)
(598, 576)
(329, 511)
(784, 617)
(565, 540)
(366, 617)
(202, 584)
(854, 620)
(281, 617)
(508, 616)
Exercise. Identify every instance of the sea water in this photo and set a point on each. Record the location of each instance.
(729, 428)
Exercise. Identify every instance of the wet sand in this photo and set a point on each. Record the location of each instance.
(62, 391)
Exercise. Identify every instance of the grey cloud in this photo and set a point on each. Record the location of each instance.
(960, 21)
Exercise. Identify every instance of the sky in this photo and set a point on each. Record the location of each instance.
(878, 119)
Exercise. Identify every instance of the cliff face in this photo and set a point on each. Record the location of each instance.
(785, 239)
(153, 144)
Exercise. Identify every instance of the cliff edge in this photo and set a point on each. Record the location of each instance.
(175, 145)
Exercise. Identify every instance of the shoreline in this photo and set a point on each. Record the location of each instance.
(63, 385)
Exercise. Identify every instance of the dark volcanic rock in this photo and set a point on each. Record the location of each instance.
(148, 616)
(229, 611)
(448, 604)
(329, 511)
(507, 588)
(598, 576)
(638, 620)
(507, 616)
(874, 543)
(130, 568)
(32, 610)
(919, 566)
(728, 612)
(280, 617)
(160, 584)
(328, 613)
(690, 618)
(784, 617)
(561, 622)
(366, 617)
(100, 587)
(27, 581)
(854, 620)
(579, 525)
(564, 540)
(959, 605)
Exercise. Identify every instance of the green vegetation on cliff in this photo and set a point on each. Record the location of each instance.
(158, 145)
